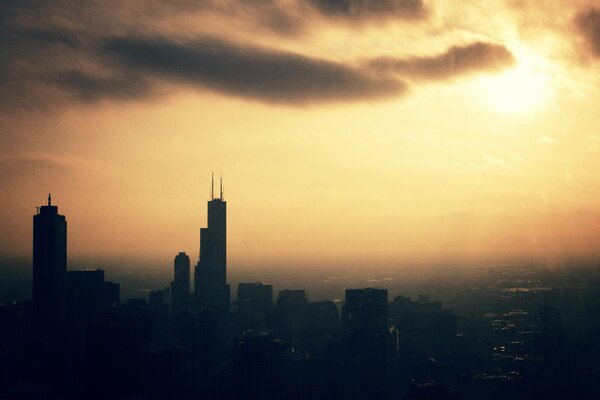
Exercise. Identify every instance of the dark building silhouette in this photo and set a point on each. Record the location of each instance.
(110, 352)
(159, 309)
(425, 328)
(49, 309)
(258, 295)
(180, 286)
(201, 339)
(252, 307)
(290, 318)
(365, 330)
(90, 299)
(159, 298)
(87, 290)
(210, 279)
(49, 268)
(258, 366)
(322, 319)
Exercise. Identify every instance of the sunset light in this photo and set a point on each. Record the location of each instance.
(300, 199)
(518, 91)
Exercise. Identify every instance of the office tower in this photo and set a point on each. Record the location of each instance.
(425, 329)
(90, 299)
(254, 302)
(290, 318)
(210, 279)
(49, 268)
(365, 329)
(258, 296)
(322, 318)
(89, 295)
(180, 286)
(258, 366)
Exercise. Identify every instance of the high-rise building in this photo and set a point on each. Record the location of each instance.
(88, 292)
(258, 365)
(365, 326)
(290, 318)
(210, 276)
(253, 306)
(180, 286)
(258, 296)
(49, 268)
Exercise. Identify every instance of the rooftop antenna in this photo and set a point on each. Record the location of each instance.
(221, 185)
(49, 200)
(212, 185)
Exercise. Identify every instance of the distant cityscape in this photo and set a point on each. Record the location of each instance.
(507, 332)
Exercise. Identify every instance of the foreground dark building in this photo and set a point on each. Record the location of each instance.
(365, 330)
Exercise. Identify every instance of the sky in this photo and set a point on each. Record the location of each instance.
(366, 132)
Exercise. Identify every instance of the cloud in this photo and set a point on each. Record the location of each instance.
(87, 87)
(370, 9)
(251, 72)
(55, 53)
(457, 60)
(588, 23)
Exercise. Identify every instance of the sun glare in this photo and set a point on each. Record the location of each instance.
(522, 89)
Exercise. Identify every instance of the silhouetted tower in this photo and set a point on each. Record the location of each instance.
(180, 286)
(210, 279)
(365, 325)
(49, 268)
(290, 318)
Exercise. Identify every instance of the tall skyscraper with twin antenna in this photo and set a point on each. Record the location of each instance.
(210, 276)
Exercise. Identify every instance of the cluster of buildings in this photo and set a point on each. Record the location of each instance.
(184, 342)
(77, 339)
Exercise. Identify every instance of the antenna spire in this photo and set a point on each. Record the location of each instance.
(49, 200)
(221, 186)
(212, 185)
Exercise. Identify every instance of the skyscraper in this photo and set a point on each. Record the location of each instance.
(365, 325)
(210, 278)
(290, 318)
(180, 287)
(49, 268)
(258, 296)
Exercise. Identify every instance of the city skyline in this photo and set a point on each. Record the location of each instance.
(518, 332)
(300, 199)
(348, 131)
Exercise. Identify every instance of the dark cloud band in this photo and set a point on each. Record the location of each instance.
(267, 75)
(57, 52)
(87, 87)
(368, 9)
(457, 60)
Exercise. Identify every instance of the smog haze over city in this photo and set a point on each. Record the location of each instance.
(300, 199)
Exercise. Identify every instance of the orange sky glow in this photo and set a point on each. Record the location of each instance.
(380, 132)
